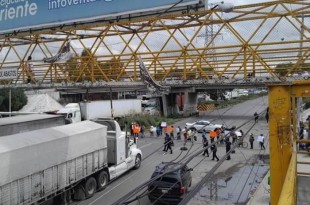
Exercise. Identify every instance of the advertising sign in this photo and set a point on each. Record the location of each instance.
(26, 14)
(8, 73)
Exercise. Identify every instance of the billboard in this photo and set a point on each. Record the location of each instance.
(27, 14)
(8, 73)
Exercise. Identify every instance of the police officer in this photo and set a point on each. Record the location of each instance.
(251, 139)
(205, 145)
(228, 147)
(168, 142)
(214, 150)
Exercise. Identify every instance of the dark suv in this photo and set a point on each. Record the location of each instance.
(171, 187)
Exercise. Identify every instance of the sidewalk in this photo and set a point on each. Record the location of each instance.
(262, 193)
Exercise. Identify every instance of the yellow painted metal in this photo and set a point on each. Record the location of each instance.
(288, 193)
(280, 137)
(283, 140)
(172, 44)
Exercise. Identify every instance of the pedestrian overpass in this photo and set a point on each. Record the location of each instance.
(188, 47)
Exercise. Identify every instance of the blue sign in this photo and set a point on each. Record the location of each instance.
(26, 14)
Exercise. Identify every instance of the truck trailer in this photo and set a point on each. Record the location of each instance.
(29, 122)
(100, 109)
(72, 161)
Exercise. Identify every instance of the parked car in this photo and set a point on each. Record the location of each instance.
(151, 110)
(203, 124)
(171, 187)
(304, 74)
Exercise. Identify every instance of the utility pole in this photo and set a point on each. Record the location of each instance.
(111, 102)
(209, 35)
(302, 32)
(10, 101)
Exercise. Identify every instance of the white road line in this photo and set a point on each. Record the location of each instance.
(112, 188)
(145, 145)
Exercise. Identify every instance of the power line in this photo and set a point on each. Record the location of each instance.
(124, 199)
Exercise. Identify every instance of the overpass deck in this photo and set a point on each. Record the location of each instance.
(175, 85)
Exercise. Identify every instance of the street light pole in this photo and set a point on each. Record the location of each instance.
(10, 101)
(111, 102)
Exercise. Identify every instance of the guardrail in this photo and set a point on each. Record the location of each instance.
(289, 194)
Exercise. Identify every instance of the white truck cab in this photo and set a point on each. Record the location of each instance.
(123, 154)
(71, 112)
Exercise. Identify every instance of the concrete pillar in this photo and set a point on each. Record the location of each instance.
(165, 106)
(170, 104)
(190, 103)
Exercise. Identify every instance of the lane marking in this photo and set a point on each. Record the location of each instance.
(145, 145)
(112, 188)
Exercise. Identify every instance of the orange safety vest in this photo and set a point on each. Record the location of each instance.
(212, 134)
(136, 129)
(170, 129)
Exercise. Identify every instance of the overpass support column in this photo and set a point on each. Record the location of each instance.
(170, 104)
(182, 103)
(190, 103)
(165, 106)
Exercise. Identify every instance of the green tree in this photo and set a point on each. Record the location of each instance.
(18, 100)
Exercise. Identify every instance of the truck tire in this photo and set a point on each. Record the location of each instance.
(137, 162)
(102, 180)
(90, 187)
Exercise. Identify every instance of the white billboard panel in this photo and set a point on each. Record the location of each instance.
(8, 73)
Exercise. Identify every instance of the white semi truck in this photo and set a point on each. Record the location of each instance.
(100, 109)
(72, 161)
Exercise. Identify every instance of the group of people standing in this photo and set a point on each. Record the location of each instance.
(237, 136)
(206, 144)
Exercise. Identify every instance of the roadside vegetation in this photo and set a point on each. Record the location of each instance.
(153, 120)
(145, 119)
(226, 103)
(306, 103)
(18, 100)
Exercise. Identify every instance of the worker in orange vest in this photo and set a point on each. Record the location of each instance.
(136, 130)
(171, 131)
(212, 135)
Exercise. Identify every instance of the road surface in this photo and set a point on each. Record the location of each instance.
(233, 182)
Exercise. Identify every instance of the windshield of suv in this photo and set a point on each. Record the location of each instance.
(170, 179)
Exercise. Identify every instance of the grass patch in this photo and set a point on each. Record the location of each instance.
(231, 102)
(147, 120)
(144, 119)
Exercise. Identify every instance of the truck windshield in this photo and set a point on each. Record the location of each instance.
(64, 114)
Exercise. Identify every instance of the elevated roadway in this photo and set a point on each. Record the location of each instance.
(175, 85)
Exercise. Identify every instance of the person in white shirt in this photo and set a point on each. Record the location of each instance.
(261, 140)
(179, 130)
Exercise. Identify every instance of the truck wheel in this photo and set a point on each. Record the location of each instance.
(102, 180)
(137, 161)
(90, 187)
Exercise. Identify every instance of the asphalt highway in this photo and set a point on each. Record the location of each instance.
(233, 182)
